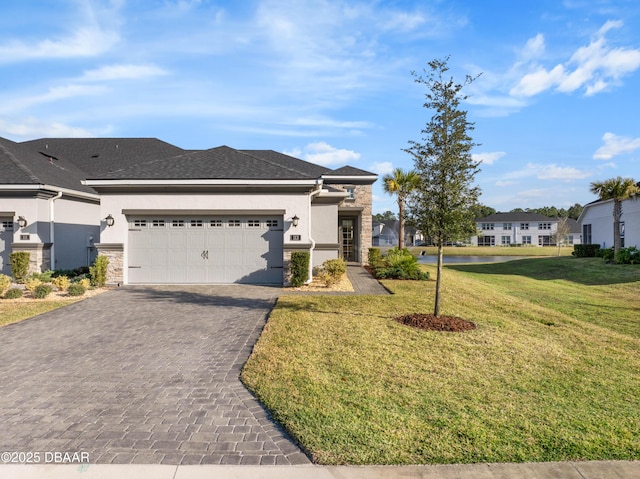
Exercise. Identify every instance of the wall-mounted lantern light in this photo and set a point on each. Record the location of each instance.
(294, 221)
(22, 222)
(109, 220)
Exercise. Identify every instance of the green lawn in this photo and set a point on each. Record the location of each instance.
(552, 372)
(495, 251)
(13, 311)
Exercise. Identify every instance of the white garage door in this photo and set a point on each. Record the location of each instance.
(6, 238)
(222, 249)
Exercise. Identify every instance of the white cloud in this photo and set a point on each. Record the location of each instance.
(488, 158)
(505, 183)
(549, 171)
(381, 167)
(615, 145)
(122, 72)
(324, 154)
(534, 47)
(594, 67)
(32, 128)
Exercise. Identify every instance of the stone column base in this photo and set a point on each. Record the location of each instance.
(115, 254)
(39, 255)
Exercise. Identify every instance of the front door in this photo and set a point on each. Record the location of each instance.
(348, 235)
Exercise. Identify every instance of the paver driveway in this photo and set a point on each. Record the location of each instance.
(141, 375)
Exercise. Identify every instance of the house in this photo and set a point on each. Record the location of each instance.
(385, 233)
(166, 215)
(596, 221)
(521, 228)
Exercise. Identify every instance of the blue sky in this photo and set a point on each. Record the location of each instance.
(557, 105)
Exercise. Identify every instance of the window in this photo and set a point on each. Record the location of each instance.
(487, 241)
(544, 226)
(216, 223)
(157, 223)
(234, 223)
(7, 225)
(544, 240)
(177, 223)
(272, 223)
(196, 223)
(586, 234)
(622, 234)
(140, 223)
(506, 226)
(352, 192)
(487, 226)
(526, 240)
(506, 240)
(253, 223)
(524, 226)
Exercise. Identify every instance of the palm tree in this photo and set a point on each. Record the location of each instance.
(616, 189)
(400, 183)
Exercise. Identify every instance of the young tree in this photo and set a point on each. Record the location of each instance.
(616, 189)
(400, 183)
(562, 231)
(442, 205)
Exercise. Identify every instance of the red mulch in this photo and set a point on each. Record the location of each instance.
(430, 322)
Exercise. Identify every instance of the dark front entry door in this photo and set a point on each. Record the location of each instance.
(348, 234)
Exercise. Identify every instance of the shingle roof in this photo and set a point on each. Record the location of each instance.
(350, 171)
(20, 164)
(218, 163)
(304, 167)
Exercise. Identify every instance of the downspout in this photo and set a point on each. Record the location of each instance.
(315, 192)
(52, 229)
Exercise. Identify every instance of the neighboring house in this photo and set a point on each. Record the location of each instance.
(167, 215)
(596, 221)
(385, 233)
(505, 229)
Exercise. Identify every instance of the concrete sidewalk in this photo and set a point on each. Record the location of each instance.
(544, 470)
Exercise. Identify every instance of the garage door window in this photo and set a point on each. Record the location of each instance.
(216, 223)
(140, 223)
(157, 223)
(253, 223)
(177, 223)
(7, 225)
(272, 223)
(196, 223)
(234, 223)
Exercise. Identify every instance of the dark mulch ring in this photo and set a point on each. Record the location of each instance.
(430, 322)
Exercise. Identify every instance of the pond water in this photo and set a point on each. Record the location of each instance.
(432, 259)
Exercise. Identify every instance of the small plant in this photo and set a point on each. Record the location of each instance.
(98, 271)
(400, 264)
(42, 291)
(5, 283)
(607, 254)
(375, 258)
(332, 270)
(61, 282)
(299, 268)
(13, 293)
(45, 276)
(630, 255)
(32, 283)
(85, 283)
(20, 265)
(76, 289)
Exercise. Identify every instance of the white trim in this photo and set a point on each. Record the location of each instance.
(200, 182)
(52, 189)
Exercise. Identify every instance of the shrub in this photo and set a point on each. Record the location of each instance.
(76, 289)
(585, 250)
(45, 276)
(85, 283)
(19, 265)
(32, 283)
(5, 283)
(375, 258)
(332, 270)
(606, 254)
(42, 291)
(61, 282)
(630, 255)
(400, 264)
(98, 271)
(13, 293)
(299, 268)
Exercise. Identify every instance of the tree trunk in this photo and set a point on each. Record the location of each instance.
(436, 307)
(401, 223)
(617, 214)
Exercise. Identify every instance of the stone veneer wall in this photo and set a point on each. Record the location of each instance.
(115, 254)
(39, 255)
(363, 198)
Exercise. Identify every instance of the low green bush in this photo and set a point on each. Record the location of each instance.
(400, 264)
(5, 283)
(76, 289)
(375, 258)
(13, 293)
(630, 255)
(585, 250)
(332, 270)
(19, 265)
(45, 276)
(42, 291)
(299, 268)
(606, 254)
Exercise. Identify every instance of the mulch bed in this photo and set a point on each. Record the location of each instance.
(430, 322)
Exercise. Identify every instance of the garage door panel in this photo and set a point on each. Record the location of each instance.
(206, 250)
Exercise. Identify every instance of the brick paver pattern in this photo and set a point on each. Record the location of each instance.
(142, 375)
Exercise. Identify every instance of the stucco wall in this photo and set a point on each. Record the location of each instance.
(600, 217)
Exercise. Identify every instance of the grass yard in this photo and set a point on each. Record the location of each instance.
(552, 372)
(495, 251)
(13, 311)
